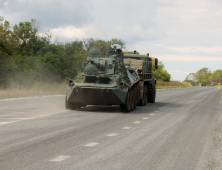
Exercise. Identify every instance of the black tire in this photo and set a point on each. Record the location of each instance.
(135, 97)
(127, 103)
(132, 100)
(142, 101)
(145, 95)
(138, 96)
(152, 95)
(121, 106)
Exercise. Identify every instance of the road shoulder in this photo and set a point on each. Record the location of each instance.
(215, 162)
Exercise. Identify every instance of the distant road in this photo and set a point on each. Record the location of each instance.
(181, 131)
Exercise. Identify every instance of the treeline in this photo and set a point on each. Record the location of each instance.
(205, 76)
(27, 56)
(161, 73)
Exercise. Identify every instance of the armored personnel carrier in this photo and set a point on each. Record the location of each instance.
(113, 79)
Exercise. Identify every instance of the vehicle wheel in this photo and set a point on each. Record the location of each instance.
(142, 101)
(132, 100)
(121, 106)
(138, 95)
(135, 97)
(152, 96)
(127, 104)
(145, 95)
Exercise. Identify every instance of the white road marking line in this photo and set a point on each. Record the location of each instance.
(9, 115)
(19, 112)
(145, 118)
(20, 118)
(151, 114)
(190, 102)
(13, 118)
(137, 122)
(113, 134)
(91, 144)
(127, 127)
(38, 110)
(9, 99)
(3, 123)
(59, 159)
(46, 115)
(35, 117)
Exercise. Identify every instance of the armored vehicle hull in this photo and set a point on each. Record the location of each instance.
(113, 79)
(96, 96)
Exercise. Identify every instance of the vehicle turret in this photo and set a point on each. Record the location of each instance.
(98, 65)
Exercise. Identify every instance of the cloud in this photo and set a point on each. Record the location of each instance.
(178, 71)
(191, 23)
(197, 49)
(50, 13)
(3, 3)
(178, 75)
(127, 20)
(186, 58)
(68, 32)
(130, 20)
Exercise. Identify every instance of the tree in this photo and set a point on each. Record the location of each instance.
(36, 43)
(207, 79)
(75, 55)
(204, 76)
(191, 79)
(8, 40)
(7, 67)
(30, 43)
(62, 61)
(160, 73)
(217, 76)
(103, 45)
(200, 74)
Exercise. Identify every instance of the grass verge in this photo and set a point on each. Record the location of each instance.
(41, 89)
(170, 85)
(37, 89)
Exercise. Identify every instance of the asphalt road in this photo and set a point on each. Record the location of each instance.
(181, 131)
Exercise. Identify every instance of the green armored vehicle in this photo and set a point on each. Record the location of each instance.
(113, 79)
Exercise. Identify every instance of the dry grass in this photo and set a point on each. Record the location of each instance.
(168, 85)
(38, 89)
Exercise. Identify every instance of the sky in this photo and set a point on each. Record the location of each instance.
(186, 35)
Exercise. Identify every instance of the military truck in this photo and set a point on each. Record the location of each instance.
(113, 79)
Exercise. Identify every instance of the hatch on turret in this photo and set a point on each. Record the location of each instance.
(94, 52)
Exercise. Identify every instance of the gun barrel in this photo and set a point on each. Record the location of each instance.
(98, 65)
